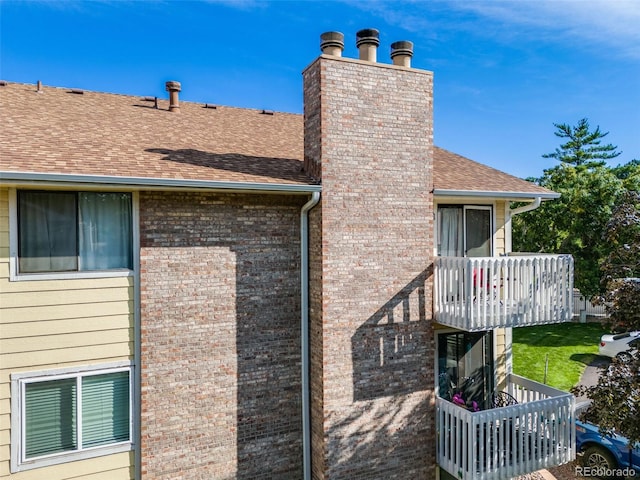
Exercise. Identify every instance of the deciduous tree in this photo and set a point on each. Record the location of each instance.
(615, 399)
(621, 268)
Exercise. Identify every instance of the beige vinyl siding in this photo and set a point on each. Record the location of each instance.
(500, 236)
(500, 333)
(60, 323)
(501, 357)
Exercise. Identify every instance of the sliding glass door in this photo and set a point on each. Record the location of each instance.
(464, 231)
(465, 368)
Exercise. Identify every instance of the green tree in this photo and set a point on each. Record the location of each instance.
(621, 268)
(615, 399)
(629, 173)
(575, 223)
(582, 146)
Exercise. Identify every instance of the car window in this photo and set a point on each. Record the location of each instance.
(621, 335)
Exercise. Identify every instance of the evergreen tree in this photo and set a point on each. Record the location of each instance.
(590, 191)
(583, 147)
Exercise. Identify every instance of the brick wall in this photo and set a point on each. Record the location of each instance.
(220, 328)
(369, 129)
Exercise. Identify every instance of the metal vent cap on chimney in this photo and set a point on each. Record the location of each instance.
(173, 88)
(367, 41)
(401, 53)
(332, 43)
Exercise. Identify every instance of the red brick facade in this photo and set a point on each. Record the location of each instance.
(220, 328)
(368, 136)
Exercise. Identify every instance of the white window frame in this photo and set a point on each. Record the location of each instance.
(464, 205)
(18, 421)
(16, 276)
(485, 208)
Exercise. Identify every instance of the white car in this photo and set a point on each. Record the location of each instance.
(619, 345)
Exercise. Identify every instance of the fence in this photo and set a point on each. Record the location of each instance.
(582, 304)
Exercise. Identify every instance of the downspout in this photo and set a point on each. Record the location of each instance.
(304, 331)
(537, 201)
(527, 208)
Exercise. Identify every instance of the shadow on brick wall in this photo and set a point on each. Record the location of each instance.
(390, 438)
(390, 351)
(388, 431)
(220, 316)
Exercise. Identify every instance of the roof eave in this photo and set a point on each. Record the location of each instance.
(62, 179)
(441, 192)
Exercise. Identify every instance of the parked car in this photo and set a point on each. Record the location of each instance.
(619, 345)
(603, 455)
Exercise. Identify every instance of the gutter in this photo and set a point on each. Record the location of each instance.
(57, 179)
(304, 319)
(494, 194)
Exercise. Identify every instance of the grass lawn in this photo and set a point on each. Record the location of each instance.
(570, 346)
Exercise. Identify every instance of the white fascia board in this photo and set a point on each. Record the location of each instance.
(60, 179)
(517, 196)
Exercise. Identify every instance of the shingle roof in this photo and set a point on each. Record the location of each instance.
(106, 134)
(103, 134)
(454, 172)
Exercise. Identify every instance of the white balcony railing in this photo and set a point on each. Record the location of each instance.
(499, 443)
(483, 293)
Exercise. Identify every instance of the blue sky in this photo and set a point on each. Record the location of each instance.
(504, 71)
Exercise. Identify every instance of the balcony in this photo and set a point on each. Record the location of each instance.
(483, 293)
(537, 432)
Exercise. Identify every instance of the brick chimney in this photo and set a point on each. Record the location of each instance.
(174, 89)
(368, 138)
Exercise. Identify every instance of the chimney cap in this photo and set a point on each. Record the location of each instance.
(401, 53)
(402, 47)
(173, 86)
(332, 39)
(368, 36)
(332, 43)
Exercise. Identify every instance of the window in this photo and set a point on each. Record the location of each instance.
(74, 231)
(69, 416)
(464, 231)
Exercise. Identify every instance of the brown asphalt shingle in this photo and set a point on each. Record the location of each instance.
(105, 134)
(118, 135)
(454, 172)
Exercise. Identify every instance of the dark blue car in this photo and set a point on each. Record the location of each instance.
(605, 456)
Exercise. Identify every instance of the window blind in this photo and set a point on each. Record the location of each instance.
(105, 409)
(50, 417)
